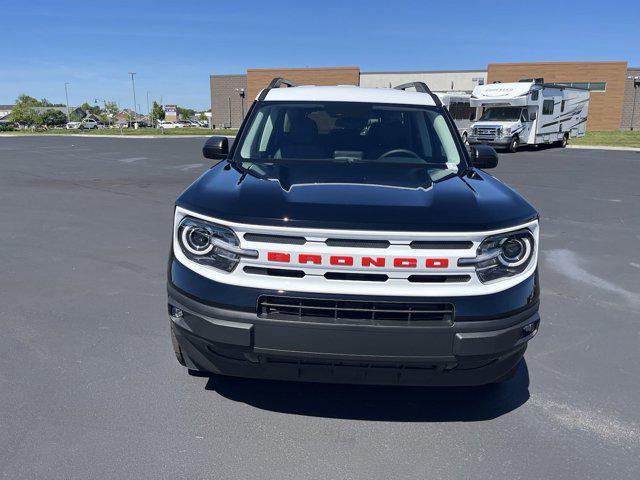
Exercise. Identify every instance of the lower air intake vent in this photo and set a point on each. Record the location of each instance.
(354, 312)
(274, 272)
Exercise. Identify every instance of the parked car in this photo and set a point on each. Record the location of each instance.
(89, 124)
(73, 125)
(169, 124)
(348, 235)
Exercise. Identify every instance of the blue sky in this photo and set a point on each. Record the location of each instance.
(175, 46)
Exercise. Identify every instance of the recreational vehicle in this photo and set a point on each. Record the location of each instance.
(459, 106)
(529, 112)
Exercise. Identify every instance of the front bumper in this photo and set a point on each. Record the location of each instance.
(499, 141)
(237, 342)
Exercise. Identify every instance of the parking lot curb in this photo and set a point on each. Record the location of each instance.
(604, 147)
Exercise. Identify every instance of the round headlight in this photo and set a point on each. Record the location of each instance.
(196, 240)
(504, 255)
(514, 251)
(208, 244)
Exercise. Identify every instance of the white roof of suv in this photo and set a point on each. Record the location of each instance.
(348, 93)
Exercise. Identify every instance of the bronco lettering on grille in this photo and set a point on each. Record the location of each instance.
(348, 261)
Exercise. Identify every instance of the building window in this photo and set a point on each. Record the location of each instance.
(547, 107)
(591, 86)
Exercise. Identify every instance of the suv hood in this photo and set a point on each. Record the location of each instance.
(403, 200)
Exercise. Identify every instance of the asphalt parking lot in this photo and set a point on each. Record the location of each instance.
(89, 386)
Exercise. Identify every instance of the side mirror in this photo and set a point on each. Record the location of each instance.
(216, 148)
(483, 156)
(532, 116)
(472, 116)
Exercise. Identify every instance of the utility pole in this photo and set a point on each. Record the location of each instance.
(66, 94)
(104, 103)
(636, 85)
(133, 86)
(242, 94)
(148, 110)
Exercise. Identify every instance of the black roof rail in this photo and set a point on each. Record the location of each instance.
(275, 83)
(422, 88)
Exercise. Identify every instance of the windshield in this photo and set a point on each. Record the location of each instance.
(501, 114)
(348, 132)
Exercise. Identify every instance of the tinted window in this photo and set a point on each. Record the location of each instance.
(547, 107)
(461, 110)
(501, 114)
(347, 132)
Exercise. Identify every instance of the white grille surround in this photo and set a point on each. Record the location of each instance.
(397, 282)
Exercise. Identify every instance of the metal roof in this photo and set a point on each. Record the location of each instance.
(348, 93)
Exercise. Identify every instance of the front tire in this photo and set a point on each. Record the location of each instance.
(563, 143)
(465, 140)
(513, 145)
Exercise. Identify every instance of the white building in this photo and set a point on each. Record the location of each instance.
(439, 80)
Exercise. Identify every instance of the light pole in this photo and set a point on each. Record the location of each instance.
(104, 103)
(636, 85)
(242, 94)
(133, 86)
(148, 110)
(66, 95)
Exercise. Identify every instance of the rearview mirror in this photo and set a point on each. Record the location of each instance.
(483, 156)
(216, 148)
(532, 116)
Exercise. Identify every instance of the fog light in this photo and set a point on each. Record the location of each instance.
(175, 312)
(530, 329)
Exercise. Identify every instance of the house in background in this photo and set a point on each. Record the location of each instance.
(5, 111)
(127, 115)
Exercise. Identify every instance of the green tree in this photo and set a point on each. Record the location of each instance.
(52, 118)
(157, 112)
(185, 113)
(112, 109)
(202, 117)
(24, 111)
(93, 109)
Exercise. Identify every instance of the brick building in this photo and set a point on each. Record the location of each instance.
(226, 101)
(611, 105)
(631, 97)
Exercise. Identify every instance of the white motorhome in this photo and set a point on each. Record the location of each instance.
(459, 106)
(529, 112)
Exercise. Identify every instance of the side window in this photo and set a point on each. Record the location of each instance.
(562, 106)
(534, 95)
(524, 117)
(547, 107)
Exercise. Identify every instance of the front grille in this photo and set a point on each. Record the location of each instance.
(434, 244)
(340, 242)
(361, 277)
(274, 272)
(354, 312)
(486, 131)
(259, 237)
